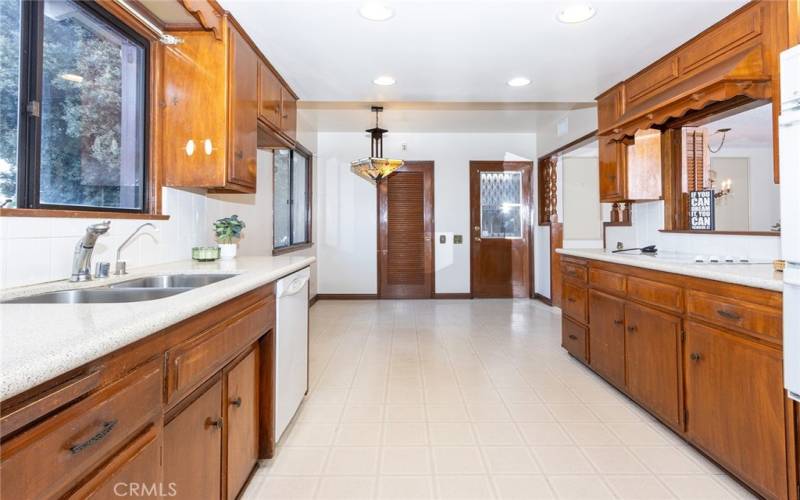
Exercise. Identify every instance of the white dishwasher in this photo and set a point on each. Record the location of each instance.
(291, 357)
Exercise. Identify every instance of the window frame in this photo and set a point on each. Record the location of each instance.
(297, 149)
(29, 128)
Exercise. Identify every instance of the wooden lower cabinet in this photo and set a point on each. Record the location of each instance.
(193, 447)
(652, 361)
(736, 406)
(241, 417)
(607, 336)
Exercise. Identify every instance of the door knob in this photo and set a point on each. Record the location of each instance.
(477, 228)
(477, 239)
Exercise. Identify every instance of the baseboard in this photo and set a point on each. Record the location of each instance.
(452, 296)
(542, 298)
(313, 300)
(347, 296)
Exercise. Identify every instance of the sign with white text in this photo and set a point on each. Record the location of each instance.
(701, 210)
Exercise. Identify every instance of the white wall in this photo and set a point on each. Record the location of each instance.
(582, 216)
(348, 212)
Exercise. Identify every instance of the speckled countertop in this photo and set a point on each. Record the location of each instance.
(755, 275)
(41, 341)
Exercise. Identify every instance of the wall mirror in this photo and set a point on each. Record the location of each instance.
(726, 181)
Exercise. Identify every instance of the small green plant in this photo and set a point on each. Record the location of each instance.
(228, 229)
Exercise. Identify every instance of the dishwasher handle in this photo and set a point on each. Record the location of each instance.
(295, 286)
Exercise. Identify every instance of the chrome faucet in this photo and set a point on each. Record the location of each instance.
(82, 258)
(120, 265)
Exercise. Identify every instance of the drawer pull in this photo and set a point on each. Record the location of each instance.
(618, 321)
(236, 402)
(573, 337)
(570, 299)
(214, 422)
(695, 356)
(728, 315)
(105, 431)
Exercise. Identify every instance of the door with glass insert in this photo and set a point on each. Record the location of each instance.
(500, 227)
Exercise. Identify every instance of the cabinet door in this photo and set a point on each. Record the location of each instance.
(193, 447)
(735, 406)
(613, 159)
(269, 95)
(652, 360)
(289, 114)
(243, 113)
(607, 336)
(241, 410)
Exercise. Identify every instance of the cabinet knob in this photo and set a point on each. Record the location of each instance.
(695, 356)
(573, 337)
(618, 321)
(239, 155)
(214, 422)
(236, 402)
(632, 328)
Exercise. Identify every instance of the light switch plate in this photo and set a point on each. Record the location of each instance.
(442, 239)
(458, 239)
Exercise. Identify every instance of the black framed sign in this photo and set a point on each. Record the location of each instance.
(701, 210)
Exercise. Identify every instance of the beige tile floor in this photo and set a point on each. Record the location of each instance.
(469, 399)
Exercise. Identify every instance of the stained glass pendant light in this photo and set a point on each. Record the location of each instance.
(375, 167)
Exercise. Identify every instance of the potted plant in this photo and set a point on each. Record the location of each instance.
(228, 230)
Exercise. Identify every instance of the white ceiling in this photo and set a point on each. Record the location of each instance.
(466, 50)
(749, 129)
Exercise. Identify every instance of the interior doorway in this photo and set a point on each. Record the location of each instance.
(405, 233)
(500, 199)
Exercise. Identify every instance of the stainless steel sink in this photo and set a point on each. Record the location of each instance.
(135, 290)
(173, 281)
(98, 296)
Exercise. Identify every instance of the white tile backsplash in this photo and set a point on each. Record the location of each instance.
(648, 219)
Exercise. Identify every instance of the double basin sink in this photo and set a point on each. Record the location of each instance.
(135, 290)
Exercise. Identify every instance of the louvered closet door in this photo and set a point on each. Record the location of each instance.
(405, 240)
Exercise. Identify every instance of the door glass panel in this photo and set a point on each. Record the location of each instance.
(501, 208)
(299, 202)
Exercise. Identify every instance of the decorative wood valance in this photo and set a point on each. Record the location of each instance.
(742, 75)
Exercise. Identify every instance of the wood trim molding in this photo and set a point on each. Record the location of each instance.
(541, 298)
(556, 241)
(347, 296)
(452, 296)
(313, 300)
(572, 146)
(78, 214)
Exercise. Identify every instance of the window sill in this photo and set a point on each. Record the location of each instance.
(77, 214)
(281, 251)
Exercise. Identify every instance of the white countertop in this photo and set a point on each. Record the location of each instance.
(754, 275)
(41, 341)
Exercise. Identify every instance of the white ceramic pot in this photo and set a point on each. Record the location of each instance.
(227, 251)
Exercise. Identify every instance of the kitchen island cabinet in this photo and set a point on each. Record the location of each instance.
(702, 356)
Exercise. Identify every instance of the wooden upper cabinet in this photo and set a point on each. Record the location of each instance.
(243, 112)
(611, 105)
(612, 158)
(277, 108)
(736, 404)
(652, 361)
(269, 95)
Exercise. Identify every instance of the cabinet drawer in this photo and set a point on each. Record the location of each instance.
(575, 302)
(573, 271)
(607, 281)
(194, 361)
(46, 459)
(754, 319)
(573, 338)
(659, 294)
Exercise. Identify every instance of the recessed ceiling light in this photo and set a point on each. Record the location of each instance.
(376, 11)
(384, 80)
(576, 13)
(519, 81)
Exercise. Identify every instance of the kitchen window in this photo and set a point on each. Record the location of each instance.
(292, 199)
(73, 108)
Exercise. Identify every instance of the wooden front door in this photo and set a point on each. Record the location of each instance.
(500, 211)
(405, 233)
